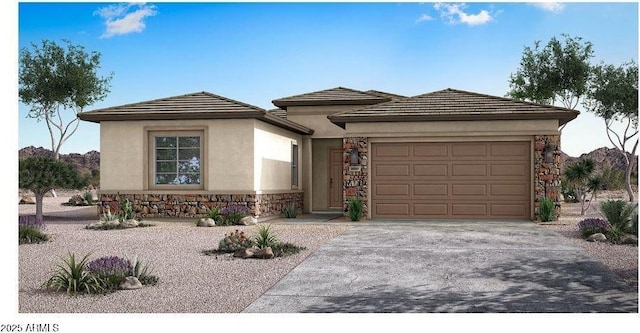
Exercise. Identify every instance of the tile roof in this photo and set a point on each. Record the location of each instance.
(333, 96)
(452, 104)
(200, 105)
(278, 113)
(384, 94)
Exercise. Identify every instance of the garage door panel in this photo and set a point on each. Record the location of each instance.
(430, 150)
(392, 190)
(502, 170)
(430, 189)
(392, 170)
(468, 209)
(460, 169)
(431, 209)
(392, 209)
(479, 180)
(469, 189)
(431, 170)
(392, 150)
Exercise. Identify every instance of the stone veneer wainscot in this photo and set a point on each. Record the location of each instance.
(546, 175)
(355, 182)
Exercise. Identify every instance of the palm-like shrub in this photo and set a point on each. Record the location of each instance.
(618, 213)
(579, 178)
(71, 276)
(547, 210)
(265, 238)
(355, 209)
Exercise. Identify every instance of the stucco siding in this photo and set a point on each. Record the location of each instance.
(272, 157)
(315, 117)
(121, 156)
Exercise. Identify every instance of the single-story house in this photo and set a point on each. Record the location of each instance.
(448, 154)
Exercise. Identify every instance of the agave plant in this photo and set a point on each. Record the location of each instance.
(143, 273)
(71, 276)
(265, 238)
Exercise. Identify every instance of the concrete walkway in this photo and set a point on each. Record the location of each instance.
(448, 267)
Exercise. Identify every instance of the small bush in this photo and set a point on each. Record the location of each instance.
(265, 238)
(615, 234)
(215, 214)
(547, 210)
(71, 277)
(76, 200)
(234, 241)
(618, 213)
(592, 226)
(88, 197)
(110, 270)
(108, 217)
(613, 179)
(234, 213)
(283, 249)
(143, 273)
(126, 210)
(290, 211)
(355, 209)
(30, 230)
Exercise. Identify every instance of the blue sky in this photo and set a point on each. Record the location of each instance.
(257, 52)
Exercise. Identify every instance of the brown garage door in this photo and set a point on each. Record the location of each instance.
(451, 180)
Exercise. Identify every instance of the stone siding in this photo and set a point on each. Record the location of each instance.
(355, 181)
(196, 205)
(546, 175)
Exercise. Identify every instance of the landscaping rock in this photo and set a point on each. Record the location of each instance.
(598, 237)
(112, 223)
(248, 220)
(630, 239)
(130, 223)
(264, 253)
(26, 200)
(206, 222)
(130, 283)
(95, 225)
(244, 253)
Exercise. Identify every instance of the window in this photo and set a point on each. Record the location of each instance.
(294, 166)
(177, 159)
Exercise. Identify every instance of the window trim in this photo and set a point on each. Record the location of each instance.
(295, 166)
(150, 165)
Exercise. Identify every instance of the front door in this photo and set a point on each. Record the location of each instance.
(335, 177)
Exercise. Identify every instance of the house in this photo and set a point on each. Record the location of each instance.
(441, 155)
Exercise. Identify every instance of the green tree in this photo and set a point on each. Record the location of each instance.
(613, 96)
(557, 72)
(580, 178)
(43, 174)
(54, 78)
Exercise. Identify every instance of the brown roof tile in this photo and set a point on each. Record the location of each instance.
(384, 94)
(279, 113)
(451, 104)
(200, 105)
(333, 96)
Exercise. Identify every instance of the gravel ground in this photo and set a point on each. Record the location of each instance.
(190, 282)
(622, 259)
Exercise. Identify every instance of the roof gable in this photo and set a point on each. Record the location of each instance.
(333, 96)
(200, 105)
(452, 104)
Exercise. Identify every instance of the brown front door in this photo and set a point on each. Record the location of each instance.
(335, 177)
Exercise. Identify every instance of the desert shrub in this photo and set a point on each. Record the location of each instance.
(70, 276)
(126, 210)
(618, 213)
(110, 270)
(616, 234)
(143, 273)
(234, 213)
(283, 249)
(547, 210)
(215, 214)
(355, 209)
(88, 197)
(265, 238)
(613, 179)
(592, 226)
(108, 216)
(30, 230)
(77, 200)
(290, 211)
(233, 241)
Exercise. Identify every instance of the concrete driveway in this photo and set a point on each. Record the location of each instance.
(448, 267)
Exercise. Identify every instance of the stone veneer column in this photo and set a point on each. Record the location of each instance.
(355, 181)
(546, 175)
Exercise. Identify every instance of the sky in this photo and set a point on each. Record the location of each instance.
(258, 52)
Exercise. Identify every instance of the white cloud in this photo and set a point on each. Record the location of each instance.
(424, 18)
(554, 7)
(122, 19)
(454, 13)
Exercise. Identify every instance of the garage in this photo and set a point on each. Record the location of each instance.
(451, 180)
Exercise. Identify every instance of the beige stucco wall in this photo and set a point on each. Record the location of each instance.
(453, 128)
(315, 117)
(228, 157)
(272, 157)
(320, 172)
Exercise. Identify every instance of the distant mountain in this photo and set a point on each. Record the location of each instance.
(603, 157)
(84, 163)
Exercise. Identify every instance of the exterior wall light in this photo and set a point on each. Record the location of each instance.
(548, 151)
(353, 156)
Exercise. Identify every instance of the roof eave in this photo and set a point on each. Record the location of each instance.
(97, 117)
(284, 104)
